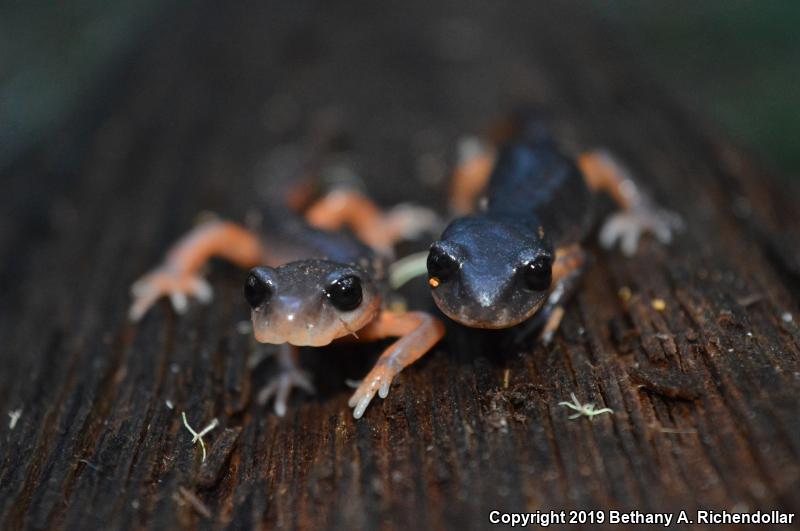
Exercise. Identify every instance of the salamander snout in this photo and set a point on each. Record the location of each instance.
(487, 278)
(309, 302)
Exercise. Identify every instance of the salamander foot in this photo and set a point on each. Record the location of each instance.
(289, 377)
(628, 226)
(164, 282)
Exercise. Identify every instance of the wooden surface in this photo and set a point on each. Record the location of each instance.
(216, 98)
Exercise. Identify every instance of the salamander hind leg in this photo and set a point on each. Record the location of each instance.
(471, 175)
(570, 264)
(289, 376)
(418, 333)
(378, 229)
(639, 215)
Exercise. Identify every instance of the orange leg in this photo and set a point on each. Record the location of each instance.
(603, 173)
(569, 265)
(552, 324)
(569, 259)
(377, 229)
(418, 333)
(639, 215)
(179, 275)
(470, 176)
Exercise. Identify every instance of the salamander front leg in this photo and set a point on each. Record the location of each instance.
(289, 376)
(570, 264)
(178, 277)
(639, 214)
(418, 333)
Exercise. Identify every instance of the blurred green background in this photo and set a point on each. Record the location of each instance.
(738, 60)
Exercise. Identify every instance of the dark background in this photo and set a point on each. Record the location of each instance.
(736, 60)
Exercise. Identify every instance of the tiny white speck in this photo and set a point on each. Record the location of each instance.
(175, 368)
(290, 317)
(170, 404)
(13, 418)
(787, 317)
(749, 334)
(244, 327)
(730, 350)
(135, 504)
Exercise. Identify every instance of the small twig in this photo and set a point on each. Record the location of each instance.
(14, 418)
(352, 384)
(199, 436)
(407, 268)
(192, 499)
(89, 464)
(749, 300)
(677, 431)
(668, 382)
(587, 410)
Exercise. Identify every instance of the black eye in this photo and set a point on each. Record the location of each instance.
(538, 273)
(258, 287)
(345, 293)
(441, 265)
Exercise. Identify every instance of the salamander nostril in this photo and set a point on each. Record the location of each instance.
(441, 265)
(258, 287)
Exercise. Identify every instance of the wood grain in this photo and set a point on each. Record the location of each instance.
(204, 114)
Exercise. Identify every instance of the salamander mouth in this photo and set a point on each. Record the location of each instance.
(300, 335)
(488, 318)
(309, 326)
(297, 330)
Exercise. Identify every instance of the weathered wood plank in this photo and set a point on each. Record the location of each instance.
(203, 114)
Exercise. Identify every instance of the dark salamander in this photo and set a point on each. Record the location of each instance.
(520, 253)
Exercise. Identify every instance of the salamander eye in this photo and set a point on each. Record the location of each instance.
(259, 286)
(441, 266)
(345, 293)
(538, 273)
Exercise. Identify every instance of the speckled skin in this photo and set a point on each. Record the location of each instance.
(304, 260)
(299, 312)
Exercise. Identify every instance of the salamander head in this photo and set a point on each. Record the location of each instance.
(489, 273)
(309, 302)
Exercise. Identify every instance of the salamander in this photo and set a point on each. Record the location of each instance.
(309, 283)
(519, 255)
